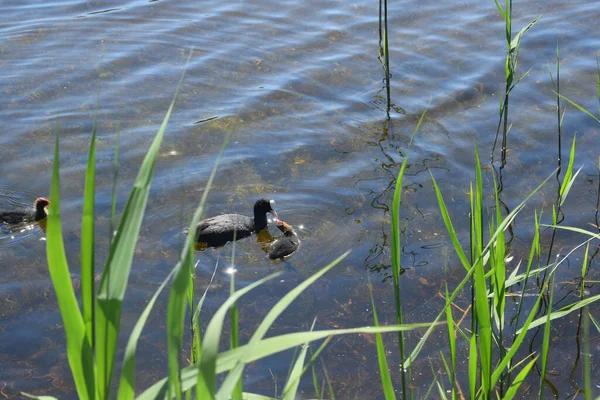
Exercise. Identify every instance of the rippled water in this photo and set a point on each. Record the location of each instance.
(299, 86)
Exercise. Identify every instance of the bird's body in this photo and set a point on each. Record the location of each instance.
(217, 231)
(19, 216)
(286, 244)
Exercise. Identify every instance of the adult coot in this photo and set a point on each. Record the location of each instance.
(286, 244)
(217, 231)
(36, 213)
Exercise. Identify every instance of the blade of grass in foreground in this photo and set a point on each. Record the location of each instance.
(546, 340)
(268, 320)
(291, 385)
(266, 347)
(179, 291)
(127, 384)
(88, 241)
(116, 273)
(384, 371)
(205, 371)
(79, 350)
(519, 379)
(396, 250)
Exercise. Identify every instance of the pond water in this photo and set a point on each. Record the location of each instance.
(300, 87)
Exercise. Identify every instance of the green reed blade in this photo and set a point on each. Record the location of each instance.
(234, 339)
(481, 305)
(127, 382)
(514, 44)
(180, 290)
(569, 177)
(452, 343)
(499, 268)
(587, 365)
(327, 380)
(118, 265)
(313, 360)
(519, 379)
(196, 318)
(206, 375)
(268, 320)
(384, 371)
(291, 386)
(421, 343)
(185, 261)
(397, 250)
(229, 359)
(564, 311)
(577, 106)
(449, 226)
(175, 319)
(506, 360)
(79, 348)
(88, 240)
(546, 340)
(113, 197)
(473, 366)
(574, 229)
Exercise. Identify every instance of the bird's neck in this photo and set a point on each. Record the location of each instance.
(40, 213)
(260, 221)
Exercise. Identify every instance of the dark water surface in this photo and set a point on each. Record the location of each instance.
(299, 85)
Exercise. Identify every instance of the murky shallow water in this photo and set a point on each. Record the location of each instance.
(300, 87)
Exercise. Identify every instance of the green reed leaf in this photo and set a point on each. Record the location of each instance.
(127, 383)
(79, 348)
(88, 240)
(118, 265)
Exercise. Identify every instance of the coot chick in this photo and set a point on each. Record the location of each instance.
(217, 231)
(286, 244)
(36, 213)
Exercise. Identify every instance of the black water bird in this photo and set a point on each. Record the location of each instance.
(217, 231)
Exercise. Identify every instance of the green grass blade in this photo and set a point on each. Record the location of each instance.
(291, 386)
(116, 272)
(269, 319)
(88, 241)
(79, 351)
(564, 311)
(546, 340)
(266, 347)
(517, 39)
(519, 379)
(175, 319)
(397, 250)
(449, 226)
(113, 197)
(210, 346)
(384, 371)
(473, 366)
(573, 229)
(587, 365)
(568, 178)
(127, 383)
(577, 106)
(452, 343)
(506, 360)
(234, 339)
